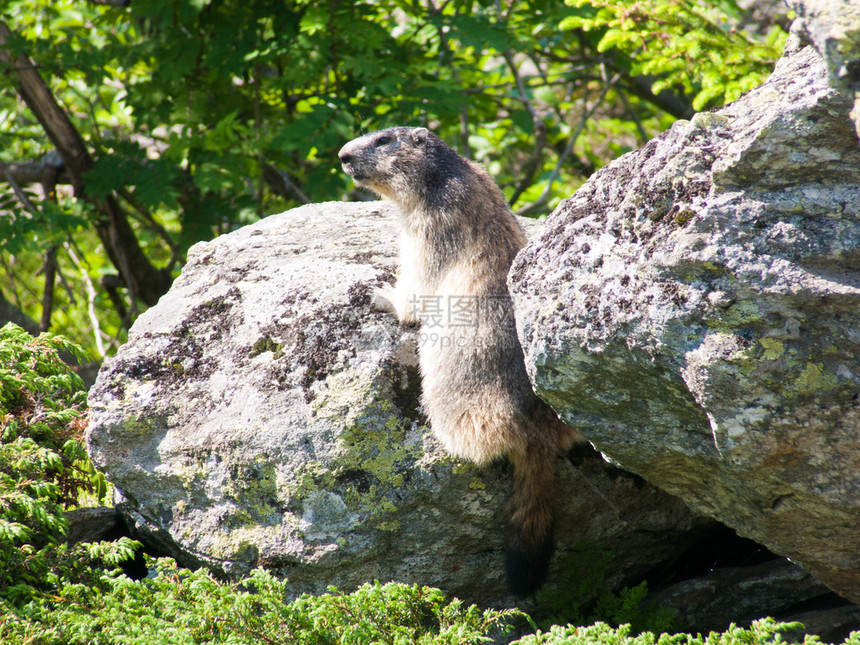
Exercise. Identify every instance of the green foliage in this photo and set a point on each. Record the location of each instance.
(695, 47)
(761, 632)
(585, 569)
(179, 606)
(51, 593)
(631, 606)
(582, 597)
(202, 116)
(43, 466)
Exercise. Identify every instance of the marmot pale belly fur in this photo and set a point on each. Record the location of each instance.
(458, 240)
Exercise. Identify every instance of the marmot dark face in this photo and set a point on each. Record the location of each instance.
(403, 164)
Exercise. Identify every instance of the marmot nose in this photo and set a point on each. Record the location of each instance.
(344, 156)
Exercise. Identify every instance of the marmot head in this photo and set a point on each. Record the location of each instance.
(409, 166)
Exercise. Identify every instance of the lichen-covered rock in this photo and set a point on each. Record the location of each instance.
(262, 414)
(833, 26)
(694, 310)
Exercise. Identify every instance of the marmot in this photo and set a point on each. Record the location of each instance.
(458, 240)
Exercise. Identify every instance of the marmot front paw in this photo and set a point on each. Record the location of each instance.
(382, 299)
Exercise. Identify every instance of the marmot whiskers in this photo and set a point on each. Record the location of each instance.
(458, 240)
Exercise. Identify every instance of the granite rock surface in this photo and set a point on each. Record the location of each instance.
(694, 310)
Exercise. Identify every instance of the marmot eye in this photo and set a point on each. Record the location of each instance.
(381, 141)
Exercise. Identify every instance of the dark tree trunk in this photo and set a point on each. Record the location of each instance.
(144, 280)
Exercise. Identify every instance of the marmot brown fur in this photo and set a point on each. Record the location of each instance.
(458, 240)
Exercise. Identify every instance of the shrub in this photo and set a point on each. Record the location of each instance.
(583, 596)
(761, 632)
(697, 48)
(179, 607)
(43, 465)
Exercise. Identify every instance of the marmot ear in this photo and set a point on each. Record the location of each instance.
(419, 135)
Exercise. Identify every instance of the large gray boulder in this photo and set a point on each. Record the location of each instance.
(833, 26)
(694, 309)
(262, 415)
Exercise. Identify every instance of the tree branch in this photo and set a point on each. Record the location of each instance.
(91, 300)
(10, 313)
(49, 268)
(6, 174)
(41, 102)
(533, 162)
(547, 193)
(142, 278)
(667, 101)
(280, 183)
(50, 169)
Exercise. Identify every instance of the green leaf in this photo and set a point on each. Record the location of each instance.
(577, 22)
(615, 38)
